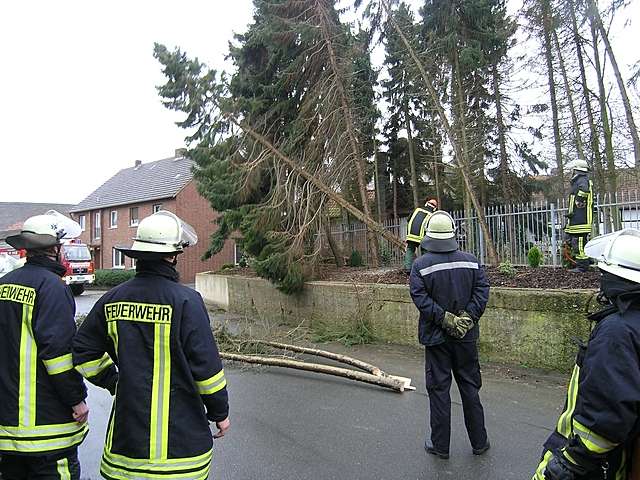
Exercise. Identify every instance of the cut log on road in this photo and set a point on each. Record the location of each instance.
(394, 383)
(354, 362)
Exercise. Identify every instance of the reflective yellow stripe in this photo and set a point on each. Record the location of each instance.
(578, 229)
(44, 445)
(60, 364)
(94, 367)
(63, 469)
(564, 422)
(124, 474)
(112, 330)
(590, 204)
(159, 438)
(594, 442)
(539, 475)
(572, 199)
(40, 430)
(28, 371)
(415, 234)
(170, 464)
(569, 457)
(213, 384)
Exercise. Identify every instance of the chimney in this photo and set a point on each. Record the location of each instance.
(138, 163)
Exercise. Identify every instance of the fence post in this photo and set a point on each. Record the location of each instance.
(554, 236)
(481, 240)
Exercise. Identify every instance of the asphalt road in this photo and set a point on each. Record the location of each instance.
(291, 425)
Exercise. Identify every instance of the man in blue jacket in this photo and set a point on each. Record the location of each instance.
(596, 432)
(43, 413)
(451, 291)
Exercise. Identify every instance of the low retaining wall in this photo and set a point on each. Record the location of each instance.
(534, 328)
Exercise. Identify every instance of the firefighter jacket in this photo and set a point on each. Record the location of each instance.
(156, 334)
(38, 385)
(417, 224)
(447, 282)
(601, 417)
(580, 205)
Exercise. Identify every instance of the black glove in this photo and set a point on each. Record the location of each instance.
(559, 468)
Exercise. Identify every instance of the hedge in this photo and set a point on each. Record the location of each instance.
(111, 278)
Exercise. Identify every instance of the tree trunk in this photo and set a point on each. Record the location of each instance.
(358, 158)
(594, 14)
(611, 174)
(412, 157)
(335, 249)
(437, 154)
(374, 226)
(548, 53)
(395, 191)
(428, 82)
(567, 88)
(387, 382)
(378, 184)
(594, 135)
(504, 160)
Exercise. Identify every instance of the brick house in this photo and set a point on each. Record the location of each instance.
(109, 216)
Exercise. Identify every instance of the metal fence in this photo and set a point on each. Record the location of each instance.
(514, 228)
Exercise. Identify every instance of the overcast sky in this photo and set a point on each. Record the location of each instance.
(77, 87)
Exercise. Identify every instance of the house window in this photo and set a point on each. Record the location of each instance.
(133, 263)
(239, 258)
(133, 216)
(81, 222)
(118, 259)
(157, 207)
(113, 219)
(97, 229)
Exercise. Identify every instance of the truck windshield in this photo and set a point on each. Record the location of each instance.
(77, 253)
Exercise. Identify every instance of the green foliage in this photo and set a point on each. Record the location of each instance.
(349, 333)
(506, 268)
(111, 278)
(386, 256)
(355, 259)
(534, 257)
(227, 266)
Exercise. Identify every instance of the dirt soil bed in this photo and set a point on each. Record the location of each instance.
(525, 277)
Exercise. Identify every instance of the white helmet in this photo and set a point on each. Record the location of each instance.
(440, 233)
(579, 165)
(44, 231)
(617, 253)
(161, 233)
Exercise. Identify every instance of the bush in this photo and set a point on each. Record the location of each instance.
(355, 260)
(534, 257)
(386, 256)
(507, 269)
(111, 278)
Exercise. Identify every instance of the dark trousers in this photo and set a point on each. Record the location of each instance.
(461, 359)
(60, 466)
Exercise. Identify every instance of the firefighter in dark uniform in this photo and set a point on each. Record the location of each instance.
(451, 291)
(595, 434)
(580, 215)
(43, 415)
(415, 230)
(149, 340)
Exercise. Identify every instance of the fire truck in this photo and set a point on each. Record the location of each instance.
(76, 258)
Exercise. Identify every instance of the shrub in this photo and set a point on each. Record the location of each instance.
(111, 278)
(534, 257)
(507, 269)
(386, 256)
(355, 260)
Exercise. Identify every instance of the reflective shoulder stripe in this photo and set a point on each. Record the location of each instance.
(448, 266)
(94, 367)
(63, 469)
(212, 385)
(60, 364)
(594, 442)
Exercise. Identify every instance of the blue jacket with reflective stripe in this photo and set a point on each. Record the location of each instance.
(447, 282)
(38, 385)
(170, 381)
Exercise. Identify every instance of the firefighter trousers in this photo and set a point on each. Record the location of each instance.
(461, 360)
(413, 251)
(60, 466)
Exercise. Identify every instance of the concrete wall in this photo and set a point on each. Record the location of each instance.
(534, 328)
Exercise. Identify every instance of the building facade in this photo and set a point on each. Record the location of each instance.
(110, 215)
